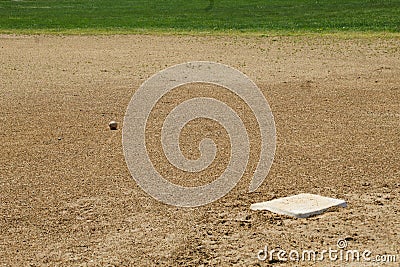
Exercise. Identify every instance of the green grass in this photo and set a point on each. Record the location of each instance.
(130, 16)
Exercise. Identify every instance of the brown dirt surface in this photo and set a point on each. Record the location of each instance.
(68, 199)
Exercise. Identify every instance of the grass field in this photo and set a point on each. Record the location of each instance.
(129, 16)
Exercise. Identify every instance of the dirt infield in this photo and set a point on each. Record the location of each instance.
(67, 197)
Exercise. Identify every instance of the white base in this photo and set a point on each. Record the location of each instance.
(300, 206)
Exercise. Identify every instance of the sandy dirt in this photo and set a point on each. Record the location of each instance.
(68, 199)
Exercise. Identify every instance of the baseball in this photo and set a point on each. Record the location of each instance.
(113, 125)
